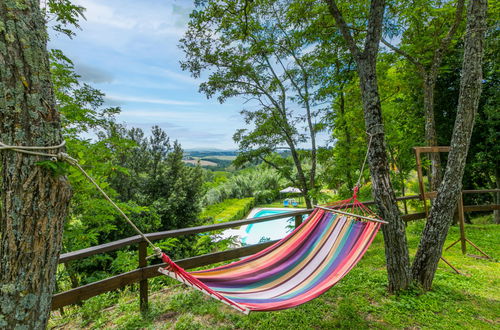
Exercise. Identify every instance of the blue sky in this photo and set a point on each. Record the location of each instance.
(128, 49)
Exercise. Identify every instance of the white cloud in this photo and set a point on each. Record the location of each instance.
(93, 74)
(122, 98)
(130, 16)
(206, 120)
(177, 76)
(162, 115)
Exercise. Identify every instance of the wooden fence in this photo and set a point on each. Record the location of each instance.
(144, 272)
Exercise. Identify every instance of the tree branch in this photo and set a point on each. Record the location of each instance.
(404, 54)
(343, 27)
(374, 29)
(445, 42)
(279, 169)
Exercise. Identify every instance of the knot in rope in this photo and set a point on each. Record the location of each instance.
(64, 157)
(355, 191)
(375, 129)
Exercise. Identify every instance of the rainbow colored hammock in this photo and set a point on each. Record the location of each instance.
(294, 270)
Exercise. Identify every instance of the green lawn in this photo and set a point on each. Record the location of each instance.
(359, 301)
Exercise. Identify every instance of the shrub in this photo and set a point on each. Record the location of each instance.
(230, 209)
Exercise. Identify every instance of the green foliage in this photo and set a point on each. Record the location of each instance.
(230, 209)
(298, 77)
(483, 157)
(63, 15)
(261, 183)
(80, 105)
(214, 179)
(56, 168)
(422, 25)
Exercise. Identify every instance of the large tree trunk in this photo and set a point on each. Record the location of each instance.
(34, 201)
(441, 214)
(396, 246)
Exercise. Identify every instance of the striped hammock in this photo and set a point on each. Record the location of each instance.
(294, 270)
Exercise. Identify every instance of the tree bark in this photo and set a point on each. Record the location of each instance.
(396, 247)
(34, 201)
(347, 134)
(441, 214)
(435, 176)
(496, 213)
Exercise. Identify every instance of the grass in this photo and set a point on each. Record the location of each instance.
(360, 300)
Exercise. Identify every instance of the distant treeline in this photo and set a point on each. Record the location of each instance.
(207, 153)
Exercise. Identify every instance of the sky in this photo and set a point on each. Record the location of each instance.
(128, 49)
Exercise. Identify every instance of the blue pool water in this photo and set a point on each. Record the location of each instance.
(269, 230)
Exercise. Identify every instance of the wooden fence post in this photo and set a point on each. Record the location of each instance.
(143, 284)
(298, 220)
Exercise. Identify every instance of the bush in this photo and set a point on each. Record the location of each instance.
(263, 184)
(230, 209)
(266, 196)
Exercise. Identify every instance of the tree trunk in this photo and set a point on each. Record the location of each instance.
(403, 194)
(347, 133)
(396, 246)
(34, 201)
(300, 173)
(441, 214)
(430, 128)
(496, 213)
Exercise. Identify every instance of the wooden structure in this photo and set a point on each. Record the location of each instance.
(423, 193)
(145, 271)
(460, 207)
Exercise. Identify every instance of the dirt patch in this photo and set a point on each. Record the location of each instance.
(201, 162)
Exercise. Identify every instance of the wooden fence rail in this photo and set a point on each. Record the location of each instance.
(144, 272)
(115, 245)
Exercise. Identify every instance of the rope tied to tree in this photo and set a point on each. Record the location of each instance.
(371, 135)
(64, 157)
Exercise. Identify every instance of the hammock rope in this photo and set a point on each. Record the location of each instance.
(61, 156)
(358, 183)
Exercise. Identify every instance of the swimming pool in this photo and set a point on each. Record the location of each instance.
(264, 231)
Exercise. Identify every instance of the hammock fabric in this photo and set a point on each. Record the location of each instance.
(294, 270)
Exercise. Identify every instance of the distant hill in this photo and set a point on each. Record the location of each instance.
(214, 159)
(210, 153)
